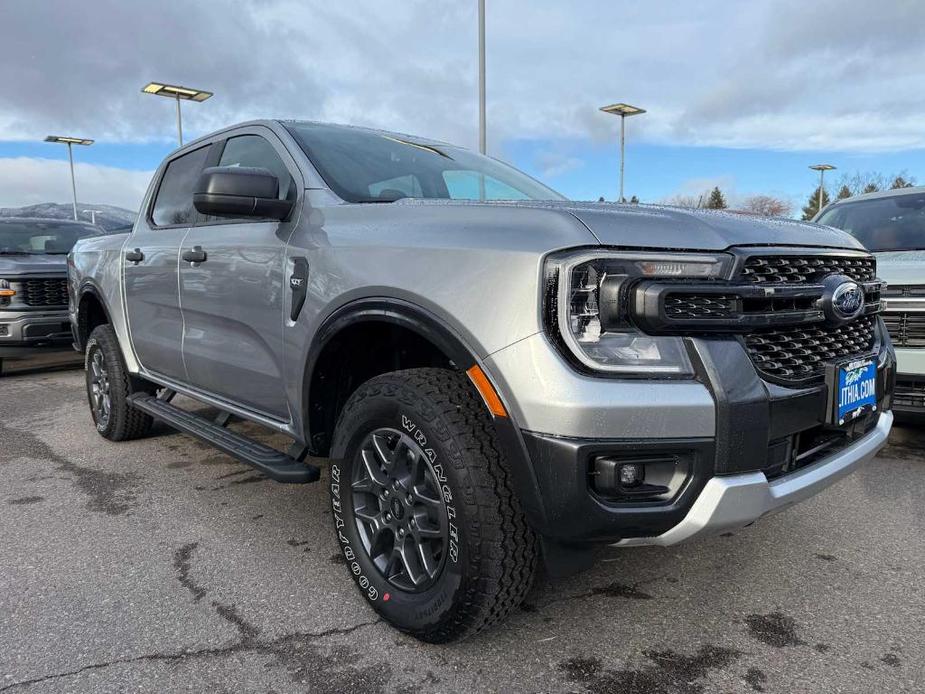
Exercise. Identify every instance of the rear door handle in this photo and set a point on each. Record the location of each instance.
(135, 256)
(197, 255)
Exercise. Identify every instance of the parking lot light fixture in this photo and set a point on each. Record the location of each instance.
(178, 93)
(821, 168)
(70, 142)
(622, 110)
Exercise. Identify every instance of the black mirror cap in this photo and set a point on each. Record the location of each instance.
(240, 191)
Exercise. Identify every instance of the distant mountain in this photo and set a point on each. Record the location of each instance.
(109, 217)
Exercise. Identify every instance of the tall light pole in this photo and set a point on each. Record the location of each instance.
(482, 136)
(70, 141)
(622, 110)
(821, 168)
(178, 93)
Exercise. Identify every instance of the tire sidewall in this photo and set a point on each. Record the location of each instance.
(398, 410)
(113, 367)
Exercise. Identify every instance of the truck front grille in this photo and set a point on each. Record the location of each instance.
(909, 394)
(44, 292)
(906, 329)
(806, 269)
(798, 354)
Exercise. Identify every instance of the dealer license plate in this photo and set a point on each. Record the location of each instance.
(856, 389)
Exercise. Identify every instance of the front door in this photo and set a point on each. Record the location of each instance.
(233, 300)
(150, 262)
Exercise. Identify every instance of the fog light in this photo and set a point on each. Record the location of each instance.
(631, 474)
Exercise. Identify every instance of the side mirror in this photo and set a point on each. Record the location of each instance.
(240, 191)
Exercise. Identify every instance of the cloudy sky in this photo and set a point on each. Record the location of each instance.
(743, 95)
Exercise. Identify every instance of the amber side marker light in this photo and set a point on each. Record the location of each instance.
(483, 385)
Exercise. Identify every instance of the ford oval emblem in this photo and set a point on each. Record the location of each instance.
(848, 300)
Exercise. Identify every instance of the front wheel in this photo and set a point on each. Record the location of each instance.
(108, 388)
(424, 508)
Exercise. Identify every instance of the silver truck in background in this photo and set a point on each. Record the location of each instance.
(33, 284)
(491, 375)
(891, 224)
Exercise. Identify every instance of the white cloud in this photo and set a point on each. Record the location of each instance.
(552, 164)
(26, 181)
(782, 74)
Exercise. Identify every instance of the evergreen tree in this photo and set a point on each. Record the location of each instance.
(634, 200)
(716, 201)
(900, 182)
(811, 208)
(871, 188)
(844, 192)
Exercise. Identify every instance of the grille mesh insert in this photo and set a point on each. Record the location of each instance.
(798, 354)
(700, 305)
(785, 269)
(44, 292)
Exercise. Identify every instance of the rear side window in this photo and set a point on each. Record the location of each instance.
(174, 201)
(253, 150)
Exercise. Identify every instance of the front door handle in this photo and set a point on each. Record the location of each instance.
(197, 255)
(135, 256)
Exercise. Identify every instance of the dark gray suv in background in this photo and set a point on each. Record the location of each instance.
(33, 283)
(494, 374)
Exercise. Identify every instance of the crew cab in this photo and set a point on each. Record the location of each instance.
(483, 373)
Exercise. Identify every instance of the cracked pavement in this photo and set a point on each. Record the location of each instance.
(163, 565)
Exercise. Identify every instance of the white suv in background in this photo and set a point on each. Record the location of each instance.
(892, 225)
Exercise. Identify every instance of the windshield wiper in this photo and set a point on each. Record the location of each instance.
(16, 253)
(368, 200)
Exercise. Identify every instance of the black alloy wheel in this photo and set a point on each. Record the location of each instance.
(398, 509)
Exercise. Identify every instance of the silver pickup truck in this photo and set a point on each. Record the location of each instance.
(495, 375)
(891, 224)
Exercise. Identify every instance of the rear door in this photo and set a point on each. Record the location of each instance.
(150, 263)
(233, 301)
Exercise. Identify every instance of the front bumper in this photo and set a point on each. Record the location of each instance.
(734, 501)
(727, 429)
(24, 332)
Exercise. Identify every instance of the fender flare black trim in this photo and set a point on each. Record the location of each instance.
(430, 327)
(88, 287)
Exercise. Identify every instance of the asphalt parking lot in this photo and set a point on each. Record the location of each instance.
(162, 565)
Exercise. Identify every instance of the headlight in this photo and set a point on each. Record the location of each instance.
(6, 292)
(587, 305)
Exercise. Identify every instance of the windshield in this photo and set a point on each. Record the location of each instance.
(896, 223)
(368, 166)
(41, 237)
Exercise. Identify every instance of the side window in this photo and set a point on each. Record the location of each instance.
(174, 201)
(466, 185)
(253, 150)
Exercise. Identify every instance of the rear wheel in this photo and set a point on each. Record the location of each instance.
(427, 519)
(108, 388)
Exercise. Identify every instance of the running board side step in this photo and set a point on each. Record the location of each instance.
(271, 462)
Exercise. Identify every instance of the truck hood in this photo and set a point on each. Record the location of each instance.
(13, 265)
(901, 267)
(654, 226)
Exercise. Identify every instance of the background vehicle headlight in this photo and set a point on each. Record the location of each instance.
(6, 292)
(587, 304)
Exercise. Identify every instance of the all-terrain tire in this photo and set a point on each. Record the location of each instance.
(123, 422)
(491, 553)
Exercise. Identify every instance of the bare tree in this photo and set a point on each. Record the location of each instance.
(767, 206)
